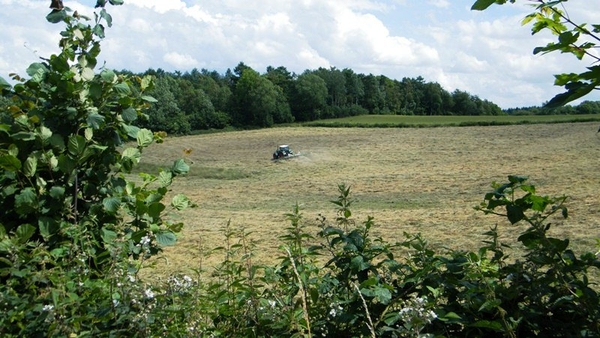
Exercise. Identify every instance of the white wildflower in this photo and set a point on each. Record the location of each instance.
(145, 240)
(272, 303)
(149, 293)
(48, 307)
(335, 311)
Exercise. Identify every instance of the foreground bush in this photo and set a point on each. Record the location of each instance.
(345, 282)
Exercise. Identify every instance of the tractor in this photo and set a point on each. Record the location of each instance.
(283, 152)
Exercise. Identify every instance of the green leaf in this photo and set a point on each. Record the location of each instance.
(481, 5)
(180, 167)
(48, 227)
(148, 98)
(111, 204)
(76, 145)
(24, 232)
(10, 163)
(104, 14)
(36, 68)
(575, 91)
(131, 131)
(108, 75)
(30, 166)
(87, 74)
(26, 202)
(358, 264)
(155, 209)
(146, 82)
(180, 202)
(4, 84)
(132, 153)
(24, 136)
(56, 16)
(116, 2)
(122, 88)
(166, 238)
(165, 178)
(108, 236)
(95, 120)
(129, 114)
(66, 164)
(144, 138)
(514, 213)
(98, 30)
(57, 192)
(382, 294)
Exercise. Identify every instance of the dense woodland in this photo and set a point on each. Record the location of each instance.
(244, 98)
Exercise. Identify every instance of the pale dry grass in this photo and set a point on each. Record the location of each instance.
(413, 180)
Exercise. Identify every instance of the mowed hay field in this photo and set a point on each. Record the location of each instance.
(411, 180)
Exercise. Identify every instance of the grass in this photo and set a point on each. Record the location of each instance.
(391, 121)
(411, 179)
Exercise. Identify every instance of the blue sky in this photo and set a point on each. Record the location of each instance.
(488, 53)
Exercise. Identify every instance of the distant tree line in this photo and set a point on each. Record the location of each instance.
(245, 98)
(585, 107)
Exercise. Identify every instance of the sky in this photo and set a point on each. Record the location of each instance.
(488, 53)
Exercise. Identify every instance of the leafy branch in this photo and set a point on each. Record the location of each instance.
(552, 16)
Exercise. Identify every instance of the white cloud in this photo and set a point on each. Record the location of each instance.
(180, 61)
(439, 3)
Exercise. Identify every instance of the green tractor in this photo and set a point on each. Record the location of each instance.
(283, 152)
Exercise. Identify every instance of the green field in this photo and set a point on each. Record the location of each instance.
(447, 121)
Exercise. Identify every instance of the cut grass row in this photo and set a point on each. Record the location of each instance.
(403, 121)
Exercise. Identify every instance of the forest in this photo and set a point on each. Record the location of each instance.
(244, 98)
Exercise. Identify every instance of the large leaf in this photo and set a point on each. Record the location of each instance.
(108, 236)
(481, 5)
(180, 167)
(48, 227)
(514, 213)
(56, 16)
(144, 137)
(148, 98)
(30, 166)
(26, 202)
(155, 209)
(66, 164)
(132, 153)
(10, 163)
(180, 202)
(95, 120)
(166, 238)
(165, 178)
(111, 204)
(24, 232)
(104, 14)
(129, 114)
(108, 75)
(76, 145)
(122, 88)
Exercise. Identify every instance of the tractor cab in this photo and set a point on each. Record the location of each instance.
(283, 151)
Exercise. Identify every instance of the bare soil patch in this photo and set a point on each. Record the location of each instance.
(410, 180)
